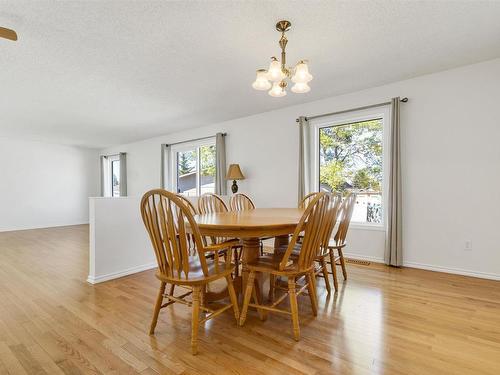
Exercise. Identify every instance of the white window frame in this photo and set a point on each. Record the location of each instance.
(186, 146)
(384, 113)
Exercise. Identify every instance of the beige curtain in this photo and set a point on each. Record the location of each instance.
(220, 164)
(165, 165)
(305, 162)
(394, 241)
(102, 165)
(123, 174)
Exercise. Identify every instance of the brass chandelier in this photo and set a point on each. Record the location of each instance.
(275, 78)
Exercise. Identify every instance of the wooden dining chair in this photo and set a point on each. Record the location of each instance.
(303, 204)
(188, 204)
(307, 199)
(241, 202)
(311, 224)
(339, 241)
(166, 218)
(210, 203)
(323, 249)
(192, 209)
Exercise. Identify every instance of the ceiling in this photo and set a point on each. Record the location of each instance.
(99, 73)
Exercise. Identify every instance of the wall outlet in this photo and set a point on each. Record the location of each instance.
(468, 245)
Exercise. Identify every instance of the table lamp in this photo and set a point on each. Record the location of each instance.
(234, 173)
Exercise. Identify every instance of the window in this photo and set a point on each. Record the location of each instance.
(194, 168)
(114, 173)
(349, 153)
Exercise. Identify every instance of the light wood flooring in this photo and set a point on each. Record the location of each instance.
(382, 321)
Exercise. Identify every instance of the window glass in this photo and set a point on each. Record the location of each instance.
(351, 159)
(115, 178)
(187, 172)
(207, 169)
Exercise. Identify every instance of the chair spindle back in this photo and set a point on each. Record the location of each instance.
(210, 203)
(241, 202)
(306, 200)
(312, 225)
(165, 217)
(188, 204)
(331, 215)
(345, 215)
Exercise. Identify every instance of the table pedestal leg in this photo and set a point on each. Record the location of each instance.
(280, 241)
(251, 251)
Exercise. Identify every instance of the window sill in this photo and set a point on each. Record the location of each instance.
(361, 226)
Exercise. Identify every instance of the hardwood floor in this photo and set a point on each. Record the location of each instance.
(382, 321)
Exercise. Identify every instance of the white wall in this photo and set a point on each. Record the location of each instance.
(45, 185)
(119, 242)
(451, 158)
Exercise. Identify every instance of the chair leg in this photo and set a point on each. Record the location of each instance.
(195, 319)
(233, 298)
(236, 263)
(256, 294)
(203, 293)
(334, 270)
(312, 292)
(342, 263)
(324, 269)
(156, 311)
(171, 291)
(315, 288)
(248, 295)
(294, 307)
(272, 284)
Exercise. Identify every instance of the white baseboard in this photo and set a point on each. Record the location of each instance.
(429, 267)
(118, 274)
(13, 229)
(456, 271)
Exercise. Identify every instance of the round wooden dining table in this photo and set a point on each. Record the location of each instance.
(250, 226)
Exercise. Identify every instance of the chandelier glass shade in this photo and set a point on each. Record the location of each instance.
(277, 91)
(301, 88)
(275, 77)
(261, 82)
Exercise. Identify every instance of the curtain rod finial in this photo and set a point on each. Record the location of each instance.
(404, 100)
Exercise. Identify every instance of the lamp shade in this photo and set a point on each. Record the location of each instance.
(277, 91)
(234, 173)
(274, 73)
(300, 88)
(261, 82)
(302, 74)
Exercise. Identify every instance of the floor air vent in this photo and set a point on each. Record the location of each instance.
(357, 261)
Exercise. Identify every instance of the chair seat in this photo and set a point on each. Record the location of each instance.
(295, 252)
(334, 245)
(196, 274)
(270, 264)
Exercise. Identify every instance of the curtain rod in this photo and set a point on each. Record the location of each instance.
(404, 100)
(193, 140)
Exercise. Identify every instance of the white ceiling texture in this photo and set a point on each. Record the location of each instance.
(99, 73)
